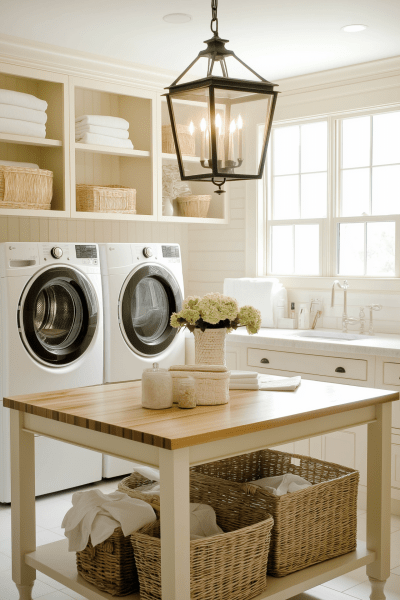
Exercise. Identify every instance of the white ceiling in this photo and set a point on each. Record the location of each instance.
(279, 38)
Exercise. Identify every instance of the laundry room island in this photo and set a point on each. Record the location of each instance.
(110, 419)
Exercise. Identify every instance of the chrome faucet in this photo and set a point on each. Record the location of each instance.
(343, 286)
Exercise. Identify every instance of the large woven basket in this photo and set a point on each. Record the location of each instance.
(21, 187)
(186, 140)
(210, 346)
(311, 525)
(107, 199)
(229, 566)
(194, 206)
(110, 566)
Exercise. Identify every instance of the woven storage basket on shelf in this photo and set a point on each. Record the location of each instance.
(109, 199)
(229, 566)
(21, 187)
(186, 140)
(110, 566)
(211, 383)
(194, 206)
(210, 346)
(311, 525)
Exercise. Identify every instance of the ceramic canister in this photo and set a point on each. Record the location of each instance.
(156, 388)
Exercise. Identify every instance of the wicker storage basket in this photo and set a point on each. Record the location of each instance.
(186, 140)
(109, 199)
(21, 187)
(194, 206)
(311, 525)
(229, 566)
(211, 383)
(210, 346)
(110, 566)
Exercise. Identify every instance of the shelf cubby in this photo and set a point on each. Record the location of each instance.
(50, 153)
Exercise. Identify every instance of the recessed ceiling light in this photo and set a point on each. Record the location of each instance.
(177, 18)
(353, 28)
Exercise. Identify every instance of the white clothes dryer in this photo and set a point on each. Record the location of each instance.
(142, 287)
(51, 319)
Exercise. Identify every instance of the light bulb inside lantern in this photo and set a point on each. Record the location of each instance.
(218, 122)
(232, 127)
(203, 124)
(239, 122)
(191, 128)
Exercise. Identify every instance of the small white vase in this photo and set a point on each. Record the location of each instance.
(210, 346)
(168, 208)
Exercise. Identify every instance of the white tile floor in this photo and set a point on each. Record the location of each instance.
(51, 509)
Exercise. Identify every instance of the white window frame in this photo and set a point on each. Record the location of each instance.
(328, 226)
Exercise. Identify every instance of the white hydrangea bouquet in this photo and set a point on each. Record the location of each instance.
(210, 318)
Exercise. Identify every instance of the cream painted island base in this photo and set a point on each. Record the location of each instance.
(110, 419)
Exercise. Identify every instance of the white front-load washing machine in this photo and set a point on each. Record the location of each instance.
(142, 287)
(51, 319)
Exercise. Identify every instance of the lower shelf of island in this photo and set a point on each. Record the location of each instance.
(56, 562)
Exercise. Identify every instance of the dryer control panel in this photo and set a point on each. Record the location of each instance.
(83, 255)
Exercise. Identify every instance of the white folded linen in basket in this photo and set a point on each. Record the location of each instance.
(97, 515)
(20, 99)
(123, 134)
(203, 521)
(11, 163)
(23, 114)
(115, 122)
(283, 484)
(104, 140)
(16, 127)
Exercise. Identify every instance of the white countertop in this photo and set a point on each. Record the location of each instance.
(381, 344)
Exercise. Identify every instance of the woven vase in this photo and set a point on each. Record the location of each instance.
(210, 346)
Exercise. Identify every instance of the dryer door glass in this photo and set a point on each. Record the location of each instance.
(148, 298)
(58, 315)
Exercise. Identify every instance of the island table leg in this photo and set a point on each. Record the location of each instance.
(378, 499)
(22, 504)
(175, 524)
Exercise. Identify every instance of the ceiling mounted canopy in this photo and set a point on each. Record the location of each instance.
(217, 115)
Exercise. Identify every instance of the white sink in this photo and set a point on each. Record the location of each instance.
(331, 335)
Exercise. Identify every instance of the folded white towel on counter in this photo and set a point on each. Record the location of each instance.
(104, 140)
(123, 134)
(20, 99)
(271, 383)
(115, 122)
(23, 114)
(237, 385)
(243, 374)
(16, 127)
(97, 515)
(11, 163)
(283, 484)
(257, 291)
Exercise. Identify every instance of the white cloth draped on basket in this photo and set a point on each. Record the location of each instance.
(17, 127)
(20, 113)
(24, 100)
(97, 515)
(283, 484)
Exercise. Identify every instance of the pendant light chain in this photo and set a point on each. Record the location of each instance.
(214, 17)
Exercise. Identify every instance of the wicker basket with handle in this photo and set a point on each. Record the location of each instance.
(229, 566)
(310, 525)
(186, 140)
(194, 206)
(107, 199)
(21, 187)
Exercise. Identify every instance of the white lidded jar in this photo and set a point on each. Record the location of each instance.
(156, 388)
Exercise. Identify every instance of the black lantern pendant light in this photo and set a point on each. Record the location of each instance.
(219, 116)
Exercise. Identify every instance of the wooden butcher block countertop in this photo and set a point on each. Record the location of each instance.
(116, 409)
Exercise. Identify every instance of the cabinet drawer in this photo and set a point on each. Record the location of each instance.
(343, 368)
(391, 373)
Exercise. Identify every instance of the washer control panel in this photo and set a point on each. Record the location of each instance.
(56, 252)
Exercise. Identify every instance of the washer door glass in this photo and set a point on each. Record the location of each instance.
(148, 298)
(58, 315)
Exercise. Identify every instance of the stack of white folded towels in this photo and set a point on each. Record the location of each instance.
(103, 131)
(22, 114)
(249, 380)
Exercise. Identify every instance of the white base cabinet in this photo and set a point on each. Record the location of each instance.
(348, 447)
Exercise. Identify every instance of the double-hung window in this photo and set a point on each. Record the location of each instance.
(333, 196)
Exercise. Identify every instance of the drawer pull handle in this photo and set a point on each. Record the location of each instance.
(266, 361)
(340, 370)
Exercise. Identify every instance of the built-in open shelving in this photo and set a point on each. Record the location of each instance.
(55, 561)
(166, 156)
(111, 150)
(28, 140)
